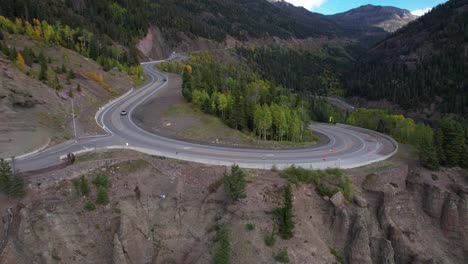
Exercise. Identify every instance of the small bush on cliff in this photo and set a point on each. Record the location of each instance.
(270, 239)
(89, 206)
(282, 256)
(84, 186)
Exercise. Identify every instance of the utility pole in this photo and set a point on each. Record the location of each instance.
(73, 117)
(302, 118)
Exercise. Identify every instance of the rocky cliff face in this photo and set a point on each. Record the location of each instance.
(162, 211)
(158, 45)
(371, 23)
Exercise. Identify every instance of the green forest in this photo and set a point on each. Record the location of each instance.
(423, 63)
(126, 21)
(313, 71)
(242, 100)
(446, 145)
(82, 41)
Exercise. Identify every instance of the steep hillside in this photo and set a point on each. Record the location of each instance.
(36, 94)
(423, 66)
(371, 23)
(128, 21)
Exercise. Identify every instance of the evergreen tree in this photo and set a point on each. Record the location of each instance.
(428, 151)
(17, 186)
(71, 74)
(286, 226)
(5, 175)
(186, 85)
(453, 140)
(10, 184)
(102, 197)
(44, 69)
(234, 183)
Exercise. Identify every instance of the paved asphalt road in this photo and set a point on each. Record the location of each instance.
(348, 146)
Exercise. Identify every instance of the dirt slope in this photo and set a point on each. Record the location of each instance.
(162, 211)
(33, 115)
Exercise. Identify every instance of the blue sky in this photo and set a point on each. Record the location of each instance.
(336, 6)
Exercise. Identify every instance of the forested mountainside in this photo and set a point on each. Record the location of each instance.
(423, 65)
(371, 23)
(314, 71)
(213, 19)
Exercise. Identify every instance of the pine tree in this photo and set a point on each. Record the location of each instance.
(11, 184)
(44, 69)
(102, 197)
(286, 226)
(428, 152)
(17, 186)
(453, 140)
(234, 183)
(5, 174)
(186, 86)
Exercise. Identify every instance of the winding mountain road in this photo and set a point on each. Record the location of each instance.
(348, 146)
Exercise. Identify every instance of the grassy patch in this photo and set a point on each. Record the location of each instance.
(337, 255)
(270, 239)
(208, 128)
(328, 182)
(132, 166)
(89, 206)
(54, 121)
(282, 256)
(99, 79)
(381, 166)
(98, 155)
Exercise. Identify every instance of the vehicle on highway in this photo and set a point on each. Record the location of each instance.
(123, 113)
(165, 79)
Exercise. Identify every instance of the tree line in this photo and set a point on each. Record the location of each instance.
(90, 45)
(446, 144)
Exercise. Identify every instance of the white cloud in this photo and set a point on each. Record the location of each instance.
(421, 12)
(307, 4)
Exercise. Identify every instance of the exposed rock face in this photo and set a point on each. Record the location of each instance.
(158, 45)
(338, 199)
(361, 202)
(371, 23)
(359, 250)
(424, 222)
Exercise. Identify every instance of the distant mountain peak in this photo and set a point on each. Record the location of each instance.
(371, 23)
